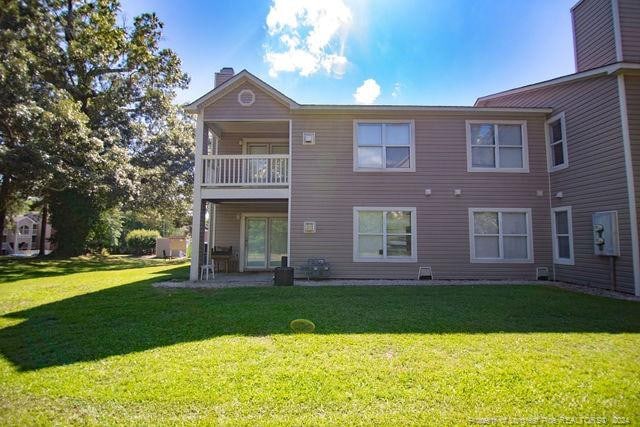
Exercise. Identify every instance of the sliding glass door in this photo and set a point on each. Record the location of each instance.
(265, 242)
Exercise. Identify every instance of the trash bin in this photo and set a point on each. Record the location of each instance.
(283, 275)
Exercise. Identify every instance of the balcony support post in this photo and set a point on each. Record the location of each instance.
(197, 225)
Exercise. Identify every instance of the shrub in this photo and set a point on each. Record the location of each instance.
(141, 241)
(302, 326)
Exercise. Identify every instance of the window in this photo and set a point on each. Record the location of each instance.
(497, 146)
(385, 146)
(384, 234)
(500, 235)
(24, 230)
(557, 156)
(562, 235)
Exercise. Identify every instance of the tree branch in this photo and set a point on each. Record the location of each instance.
(101, 71)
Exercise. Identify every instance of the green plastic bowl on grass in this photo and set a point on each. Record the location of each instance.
(302, 326)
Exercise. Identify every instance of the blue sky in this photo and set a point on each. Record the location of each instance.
(424, 52)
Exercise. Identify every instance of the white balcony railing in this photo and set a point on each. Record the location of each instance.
(260, 170)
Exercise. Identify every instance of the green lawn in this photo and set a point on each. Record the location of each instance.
(91, 341)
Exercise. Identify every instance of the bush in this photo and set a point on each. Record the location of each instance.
(141, 241)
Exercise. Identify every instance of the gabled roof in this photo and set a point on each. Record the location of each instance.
(595, 72)
(242, 77)
(245, 76)
(27, 216)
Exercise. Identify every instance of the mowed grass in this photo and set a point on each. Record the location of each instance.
(90, 341)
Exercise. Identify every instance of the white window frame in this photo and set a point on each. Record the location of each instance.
(495, 123)
(412, 146)
(554, 231)
(384, 257)
(548, 135)
(500, 235)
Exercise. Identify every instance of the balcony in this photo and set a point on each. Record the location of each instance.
(245, 176)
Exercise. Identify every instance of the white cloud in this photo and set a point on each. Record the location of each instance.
(397, 89)
(307, 36)
(367, 93)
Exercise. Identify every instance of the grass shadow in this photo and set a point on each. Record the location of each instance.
(137, 317)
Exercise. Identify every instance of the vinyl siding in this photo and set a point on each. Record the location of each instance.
(265, 106)
(630, 29)
(595, 179)
(325, 189)
(594, 37)
(632, 89)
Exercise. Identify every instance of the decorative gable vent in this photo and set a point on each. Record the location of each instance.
(246, 97)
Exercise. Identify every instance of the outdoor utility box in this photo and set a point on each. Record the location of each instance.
(283, 275)
(605, 233)
(316, 269)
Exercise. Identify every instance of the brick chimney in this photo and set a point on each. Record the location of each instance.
(225, 74)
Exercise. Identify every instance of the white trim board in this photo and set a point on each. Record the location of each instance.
(554, 236)
(472, 243)
(496, 169)
(244, 193)
(331, 109)
(412, 145)
(235, 81)
(615, 15)
(547, 137)
(414, 235)
(289, 189)
(601, 71)
(631, 192)
(194, 270)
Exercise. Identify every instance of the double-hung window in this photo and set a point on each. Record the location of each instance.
(384, 234)
(562, 235)
(557, 155)
(384, 146)
(497, 146)
(500, 235)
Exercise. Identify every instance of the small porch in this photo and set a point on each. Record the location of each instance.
(242, 189)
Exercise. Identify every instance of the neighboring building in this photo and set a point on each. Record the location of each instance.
(493, 191)
(23, 238)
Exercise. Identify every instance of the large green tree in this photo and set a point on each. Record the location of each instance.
(84, 97)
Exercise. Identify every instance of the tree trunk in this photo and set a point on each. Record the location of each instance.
(4, 203)
(43, 229)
